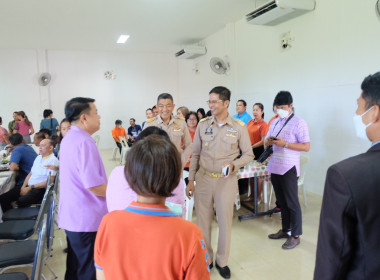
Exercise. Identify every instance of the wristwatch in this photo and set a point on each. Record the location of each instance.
(286, 145)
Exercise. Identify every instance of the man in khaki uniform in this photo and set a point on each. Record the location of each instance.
(217, 143)
(174, 126)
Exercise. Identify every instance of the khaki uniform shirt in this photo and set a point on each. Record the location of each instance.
(178, 134)
(214, 146)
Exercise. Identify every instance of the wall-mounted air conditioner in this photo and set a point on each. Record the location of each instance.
(278, 11)
(191, 52)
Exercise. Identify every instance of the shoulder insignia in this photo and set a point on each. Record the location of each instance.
(180, 118)
(150, 120)
(240, 122)
(204, 119)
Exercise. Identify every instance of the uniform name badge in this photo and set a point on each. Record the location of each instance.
(208, 131)
(231, 132)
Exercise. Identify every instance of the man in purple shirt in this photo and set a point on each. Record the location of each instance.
(289, 136)
(83, 184)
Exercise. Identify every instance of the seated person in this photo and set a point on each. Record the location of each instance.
(119, 194)
(22, 159)
(133, 131)
(146, 240)
(33, 189)
(118, 132)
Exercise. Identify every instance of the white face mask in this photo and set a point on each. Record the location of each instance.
(360, 127)
(282, 113)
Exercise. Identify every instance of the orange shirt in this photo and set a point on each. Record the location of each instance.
(147, 241)
(192, 133)
(273, 118)
(257, 130)
(118, 132)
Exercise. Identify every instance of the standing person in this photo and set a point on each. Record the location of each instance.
(63, 129)
(257, 129)
(83, 184)
(146, 240)
(4, 136)
(201, 113)
(11, 124)
(149, 115)
(192, 121)
(218, 141)
(241, 109)
(182, 112)
(289, 136)
(22, 159)
(154, 111)
(48, 122)
(133, 131)
(118, 132)
(24, 127)
(348, 240)
(274, 117)
(175, 127)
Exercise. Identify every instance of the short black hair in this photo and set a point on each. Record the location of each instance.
(209, 113)
(165, 96)
(149, 109)
(47, 112)
(45, 131)
(223, 92)
(153, 167)
(132, 119)
(202, 111)
(241, 100)
(283, 98)
(118, 122)
(40, 135)
(77, 106)
(15, 139)
(371, 90)
(1, 119)
(154, 107)
(191, 113)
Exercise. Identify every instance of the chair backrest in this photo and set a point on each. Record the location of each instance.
(50, 223)
(304, 159)
(45, 204)
(40, 249)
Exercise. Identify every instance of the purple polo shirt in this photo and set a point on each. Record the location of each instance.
(81, 168)
(295, 131)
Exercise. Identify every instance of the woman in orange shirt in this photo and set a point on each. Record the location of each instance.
(257, 129)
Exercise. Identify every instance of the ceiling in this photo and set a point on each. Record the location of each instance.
(154, 25)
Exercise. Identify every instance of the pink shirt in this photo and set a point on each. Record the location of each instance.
(119, 194)
(81, 168)
(295, 131)
(3, 132)
(23, 128)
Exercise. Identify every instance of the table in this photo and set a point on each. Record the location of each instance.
(254, 169)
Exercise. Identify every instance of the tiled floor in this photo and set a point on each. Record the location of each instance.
(253, 255)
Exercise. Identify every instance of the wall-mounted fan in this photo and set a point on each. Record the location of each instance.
(219, 66)
(44, 79)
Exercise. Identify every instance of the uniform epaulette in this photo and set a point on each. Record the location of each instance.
(150, 120)
(204, 119)
(180, 118)
(240, 122)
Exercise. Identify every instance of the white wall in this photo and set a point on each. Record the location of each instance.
(335, 47)
(140, 78)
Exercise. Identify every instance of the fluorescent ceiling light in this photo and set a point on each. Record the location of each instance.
(122, 39)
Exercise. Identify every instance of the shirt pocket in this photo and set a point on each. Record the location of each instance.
(230, 143)
(206, 141)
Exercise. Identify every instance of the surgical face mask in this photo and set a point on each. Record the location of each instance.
(360, 127)
(282, 113)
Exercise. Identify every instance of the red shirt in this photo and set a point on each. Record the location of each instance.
(147, 241)
(257, 130)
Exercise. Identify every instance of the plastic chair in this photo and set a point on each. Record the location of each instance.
(124, 149)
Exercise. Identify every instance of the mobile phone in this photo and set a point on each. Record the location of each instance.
(226, 170)
(273, 138)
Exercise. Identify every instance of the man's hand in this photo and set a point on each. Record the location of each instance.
(24, 190)
(52, 167)
(279, 142)
(232, 167)
(190, 189)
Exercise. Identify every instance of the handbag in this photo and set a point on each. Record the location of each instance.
(269, 150)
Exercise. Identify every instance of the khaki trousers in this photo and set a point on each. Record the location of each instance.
(220, 192)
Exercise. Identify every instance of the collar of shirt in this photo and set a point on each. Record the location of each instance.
(47, 156)
(228, 120)
(374, 144)
(161, 121)
(150, 209)
(257, 122)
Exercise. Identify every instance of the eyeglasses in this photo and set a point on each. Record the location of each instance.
(213, 102)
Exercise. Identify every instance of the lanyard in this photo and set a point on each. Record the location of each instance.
(291, 116)
(374, 144)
